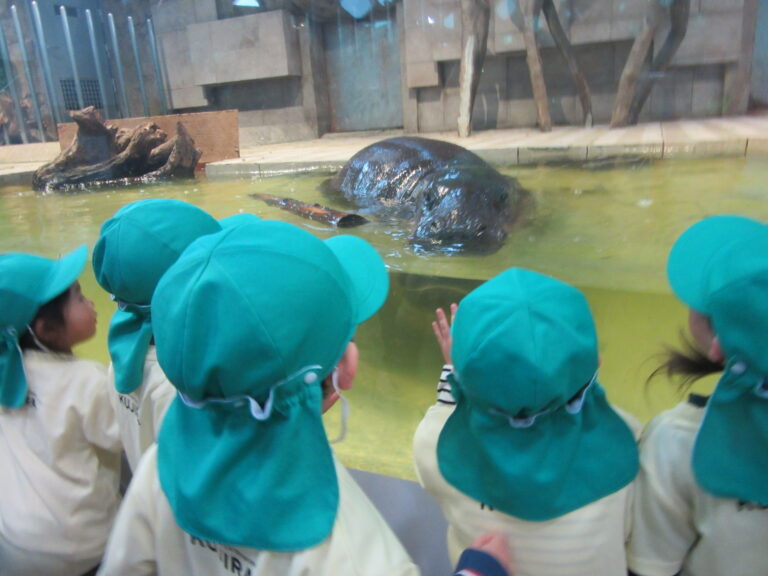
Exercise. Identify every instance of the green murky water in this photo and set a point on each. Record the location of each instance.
(605, 231)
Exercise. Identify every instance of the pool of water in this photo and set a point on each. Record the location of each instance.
(605, 231)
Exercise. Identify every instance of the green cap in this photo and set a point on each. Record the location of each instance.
(719, 267)
(238, 220)
(135, 248)
(26, 283)
(532, 434)
(248, 323)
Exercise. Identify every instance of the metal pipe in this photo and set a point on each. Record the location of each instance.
(52, 99)
(137, 62)
(158, 69)
(71, 51)
(28, 73)
(118, 64)
(12, 86)
(97, 60)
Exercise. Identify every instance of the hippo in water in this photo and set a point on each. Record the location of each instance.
(458, 201)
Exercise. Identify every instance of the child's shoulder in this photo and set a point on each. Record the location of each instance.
(674, 426)
(86, 366)
(81, 372)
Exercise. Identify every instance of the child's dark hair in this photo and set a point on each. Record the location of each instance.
(687, 365)
(52, 313)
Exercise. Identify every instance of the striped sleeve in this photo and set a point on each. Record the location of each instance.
(444, 395)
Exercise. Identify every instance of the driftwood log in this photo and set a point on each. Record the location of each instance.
(102, 154)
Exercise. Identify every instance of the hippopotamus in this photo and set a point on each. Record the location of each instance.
(457, 200)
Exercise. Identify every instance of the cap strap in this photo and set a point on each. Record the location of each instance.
(573, 406)
(761, 389)
(130, 306)
(36, 340)
(344, 408)
(258, 412)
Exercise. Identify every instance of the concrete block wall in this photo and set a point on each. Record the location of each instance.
(171, 19)
(246, 48)
(701, 81)
(245, 63)
(759, 81)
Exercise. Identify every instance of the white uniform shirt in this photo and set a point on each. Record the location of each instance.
(147, 540)
(140, 413)
(678, 526)
(589, 541)
(60, 456)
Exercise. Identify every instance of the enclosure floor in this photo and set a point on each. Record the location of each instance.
(734, 136)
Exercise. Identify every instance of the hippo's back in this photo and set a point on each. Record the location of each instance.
(390, 171)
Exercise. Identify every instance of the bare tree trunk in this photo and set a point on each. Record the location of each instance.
(638, 77)
(531, 10)
(561, 40)
(475, 19)
(679, 14)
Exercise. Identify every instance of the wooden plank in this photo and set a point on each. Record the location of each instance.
(215, 133)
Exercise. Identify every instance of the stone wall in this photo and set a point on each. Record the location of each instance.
(273, 69)
(705, 79)
(759, 85)
(256, 63)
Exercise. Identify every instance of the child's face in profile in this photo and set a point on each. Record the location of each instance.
(79, 319)
(347, 369)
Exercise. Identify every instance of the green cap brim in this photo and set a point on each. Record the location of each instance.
(64, 273)
(365, 269)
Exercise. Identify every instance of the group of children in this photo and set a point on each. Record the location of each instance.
(232, 337)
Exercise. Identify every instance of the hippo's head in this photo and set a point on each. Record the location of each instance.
(465, 210)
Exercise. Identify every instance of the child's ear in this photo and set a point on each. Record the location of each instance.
(348, 366)
(46, 332)
(715, 352)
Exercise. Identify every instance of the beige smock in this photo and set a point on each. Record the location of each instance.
(141, 412)
(147, 540)
(678, 527)
(588, 541)
(60, 457)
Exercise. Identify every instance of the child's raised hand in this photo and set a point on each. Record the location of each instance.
(496, 545)
(442, 329)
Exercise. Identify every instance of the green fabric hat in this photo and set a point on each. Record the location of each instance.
(719, 267)
(26, 283)
(532, 434)
(238, 220)
(248, 323)
(135, 248)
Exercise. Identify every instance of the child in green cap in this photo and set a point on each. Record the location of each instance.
(522, 440)
(59, 440)
(701, 502)
(135, 248)
(248, 323)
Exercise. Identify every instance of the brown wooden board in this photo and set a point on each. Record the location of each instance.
(215, 133)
